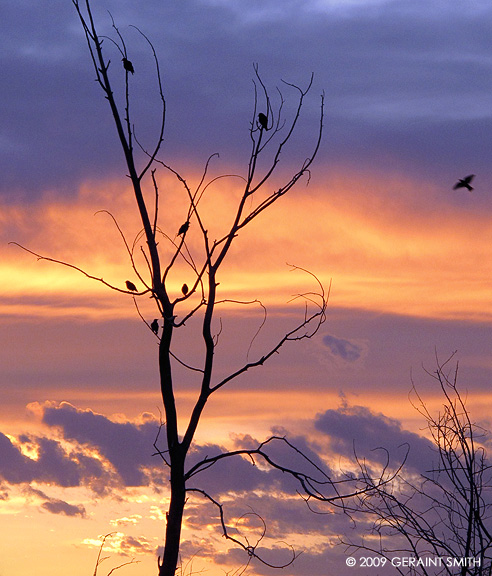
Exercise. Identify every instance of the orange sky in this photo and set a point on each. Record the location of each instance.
(73, 339)
(383, 255)
(408, 259)
(389, 252)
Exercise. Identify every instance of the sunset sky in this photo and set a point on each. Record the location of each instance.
(408, 111)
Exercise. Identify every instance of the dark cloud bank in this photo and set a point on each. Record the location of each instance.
(126, 457)
(87, 449)
(406, 83)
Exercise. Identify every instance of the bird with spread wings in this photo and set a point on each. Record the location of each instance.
(464, 183)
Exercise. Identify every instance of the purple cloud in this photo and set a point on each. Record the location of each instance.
(127, 446)
(52, 465)
(389, 76)
(347, 350)
(356, 430)
(55, 505)
(61, 507)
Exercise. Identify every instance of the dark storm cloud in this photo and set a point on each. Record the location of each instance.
(403, 81)
(127, 449)
(256, 492)
(16, 466)
(234, 473)
(242, 475)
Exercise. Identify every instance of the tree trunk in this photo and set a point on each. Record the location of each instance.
(175, 515)
(177, 453)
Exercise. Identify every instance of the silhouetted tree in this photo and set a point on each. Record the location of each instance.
(199, 298)
(443, 514)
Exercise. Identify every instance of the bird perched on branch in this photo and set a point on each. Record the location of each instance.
(464, 183)
(155, 326)
(127, 65)
(263, 120)
(185, 289)
(184, 228)
(131, 286)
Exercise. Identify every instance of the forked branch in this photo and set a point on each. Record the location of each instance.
(304, 330)
(251, 549)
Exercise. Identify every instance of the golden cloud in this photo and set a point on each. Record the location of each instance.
(383, 248)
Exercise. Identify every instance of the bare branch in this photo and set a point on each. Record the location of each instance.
(160, 138)
(100, 560)
(68, 265)
(249, 548)
(247, 303)
(312, 321)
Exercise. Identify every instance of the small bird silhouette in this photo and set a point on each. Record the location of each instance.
(184, 289)
(263, 120)
(131, 286)
(464, 183)
(155, 326)
(184, 228)
(127, 65)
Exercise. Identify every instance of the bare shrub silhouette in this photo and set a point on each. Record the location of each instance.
(442, 516)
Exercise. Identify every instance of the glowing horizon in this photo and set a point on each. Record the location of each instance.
(372, 262)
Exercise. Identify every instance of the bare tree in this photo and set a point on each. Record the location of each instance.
(163, 251)
(270, 131)
(174, 312)
(443, 516)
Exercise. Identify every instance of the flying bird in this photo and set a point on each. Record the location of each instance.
(127, 65)
(184, 228)
(184, 289)
(464, 183)
(131, 286)
(155, 326)
(263, 120)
